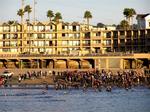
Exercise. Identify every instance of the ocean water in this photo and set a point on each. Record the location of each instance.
(72, 100)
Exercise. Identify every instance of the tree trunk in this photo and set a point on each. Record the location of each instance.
(50, 19)
(129, 23)
(88, 23)
(128, 20)
(28, 16)
(21, 19)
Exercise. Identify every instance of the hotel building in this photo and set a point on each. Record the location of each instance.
(61, 46)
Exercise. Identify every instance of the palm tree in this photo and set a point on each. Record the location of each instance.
(50, 14)
(28, 9)
(11, 22)
(87, 15)
(124, 24)
(129, 13)
(20, 13)
(126, 13)
(57, 17)
(133, 12)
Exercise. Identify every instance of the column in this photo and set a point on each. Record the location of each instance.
(20, 64)
(80, 64)
(121, 63)
(96, 63)
(107, 63)
(38, 63)
(67, 63)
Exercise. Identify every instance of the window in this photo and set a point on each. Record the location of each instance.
(115, 34)
(87, 35)
(74, 28)
(50, 43)
(122, 33)
(28, 42)
(63, 27)
(98, 34)
(64, 43)
(108, 35)
(63, 34)
(51, 27)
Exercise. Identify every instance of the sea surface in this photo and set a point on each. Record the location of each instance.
(40, 100)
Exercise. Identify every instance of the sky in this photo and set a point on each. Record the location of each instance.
(105, 11)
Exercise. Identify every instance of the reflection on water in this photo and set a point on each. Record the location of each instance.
(40, 100)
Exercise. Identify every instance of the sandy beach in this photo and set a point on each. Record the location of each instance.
(34, 81)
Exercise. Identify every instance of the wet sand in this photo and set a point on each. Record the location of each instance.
(35, 81)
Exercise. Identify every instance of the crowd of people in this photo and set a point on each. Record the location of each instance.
(100, 79)
(96, 79)
(31, 75)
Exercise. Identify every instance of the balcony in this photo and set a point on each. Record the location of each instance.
(122, 36)
(41, 37)
(96, 37)
(86, 37)
(70, 38)
(96, 45)
(106, 45)
(86, 44)
(6, 30)
(122, 44)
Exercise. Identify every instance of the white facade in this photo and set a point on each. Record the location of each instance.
(147, 22)
(143, 21)
(110, 28)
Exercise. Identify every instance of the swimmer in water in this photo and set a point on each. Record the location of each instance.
(65, 92)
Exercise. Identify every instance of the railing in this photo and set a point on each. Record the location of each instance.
(88, 37)
(63, 55)
(86, 44)
(18, 71)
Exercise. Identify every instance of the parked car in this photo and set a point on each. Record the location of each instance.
(7, 74)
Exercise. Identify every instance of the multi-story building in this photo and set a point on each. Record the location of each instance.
(63, 45)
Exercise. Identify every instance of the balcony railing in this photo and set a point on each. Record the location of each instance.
(86, 44)
(86, 37)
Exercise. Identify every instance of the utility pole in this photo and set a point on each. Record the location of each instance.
(22, 7)
(34, 11)
(22, 22)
